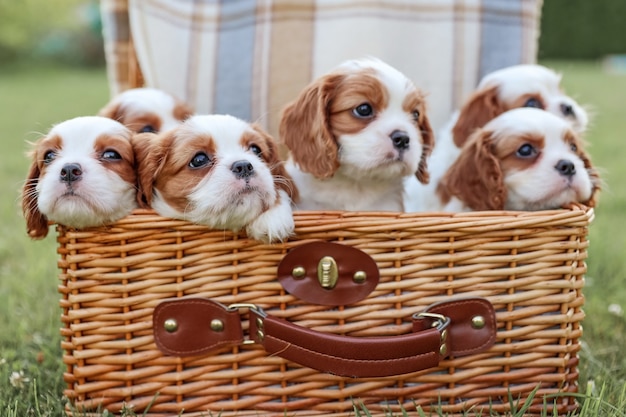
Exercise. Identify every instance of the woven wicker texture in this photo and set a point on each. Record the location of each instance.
(530, 265)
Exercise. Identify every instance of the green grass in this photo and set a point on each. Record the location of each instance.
(32, 99)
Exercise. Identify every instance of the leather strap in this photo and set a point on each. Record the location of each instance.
(195, 326)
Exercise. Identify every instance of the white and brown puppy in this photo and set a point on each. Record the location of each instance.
(524, 159)
(218, 171)
(82, 174)
(502, 90)
(146, 110)
(353, 134)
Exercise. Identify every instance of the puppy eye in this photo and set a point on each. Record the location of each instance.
(147, 129)
(111, 155)
(526, 151)
(533, 102)
(199, 160)
(573, 147)
(363, 111)
(49, 156)
(416, 115)
(255, 149)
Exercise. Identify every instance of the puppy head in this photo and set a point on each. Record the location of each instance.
(364, 119)
(82, 174)
(524, 159)
(146, 110)
(214, 170)
(512, 87)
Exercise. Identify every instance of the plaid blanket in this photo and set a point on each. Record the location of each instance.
(249, 58)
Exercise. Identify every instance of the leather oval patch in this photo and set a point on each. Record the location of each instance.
(328, 273)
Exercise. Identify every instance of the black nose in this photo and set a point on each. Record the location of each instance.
(400, 139)
(71, 173)
(242, 169)
(567, 110)
(565, 167)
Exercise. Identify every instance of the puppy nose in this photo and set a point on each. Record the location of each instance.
(567, 110)
(400, 139)
(242, 169)
(71, 173)
(565, 167)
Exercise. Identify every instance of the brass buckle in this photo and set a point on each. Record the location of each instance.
(439, 320)
(247, 306)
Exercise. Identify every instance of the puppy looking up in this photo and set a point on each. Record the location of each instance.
(218, 171)
(512, 87)
(146, 110)
(82, 174)
(524, 159)
(353, 135)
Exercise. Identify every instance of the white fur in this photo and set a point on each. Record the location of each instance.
(101, 196)
(513, 82)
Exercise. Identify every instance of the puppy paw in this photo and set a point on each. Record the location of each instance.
(274, 225)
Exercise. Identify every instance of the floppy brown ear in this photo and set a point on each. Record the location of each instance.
(475, 178)
(112, 111)
(305, 128)
(36, 221)
(479, 109)
(428, 142)
(148, 160)
(182, 111)
(282, 179)
(594, 176)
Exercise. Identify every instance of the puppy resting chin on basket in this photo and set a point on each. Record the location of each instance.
(524, 159)
(218, 171)
(82, 174)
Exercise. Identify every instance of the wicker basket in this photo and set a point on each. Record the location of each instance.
(529, 265)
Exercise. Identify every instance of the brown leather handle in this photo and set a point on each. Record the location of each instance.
(193, 326)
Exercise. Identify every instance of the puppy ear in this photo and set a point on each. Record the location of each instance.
(480, 108)
(428, 142)
(594, 176)
(36, 222)
(146, 149)
(112, 111)
(305, 128)
(282, 179)
(475, 177)
(182, 111)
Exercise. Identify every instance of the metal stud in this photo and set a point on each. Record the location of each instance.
(260, 335)
(443, 349)
(359, 277)
(170, 325)
(444, 335)
(478, 322)
(259, 323)
(217, 325)
(298, 272)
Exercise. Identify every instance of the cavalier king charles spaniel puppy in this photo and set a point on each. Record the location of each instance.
(524, 159)
(218, 171)
(146, 110)
(502, 90)
(353, 135)
(82, 174)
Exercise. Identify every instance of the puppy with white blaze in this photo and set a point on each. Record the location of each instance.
(82, 174)
(353, 134)
(146, 110)
(533, 86)
(218, 171)
(524, 159)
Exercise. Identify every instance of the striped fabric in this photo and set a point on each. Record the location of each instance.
(250, 57)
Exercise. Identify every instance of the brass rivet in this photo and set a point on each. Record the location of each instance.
(327, 272)
(443, 349)
(359, 277)
(217, 325)
(298, 272)
(478, 322)
(170, 325)
(444, 335)
(259, 323)
(260, 335)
